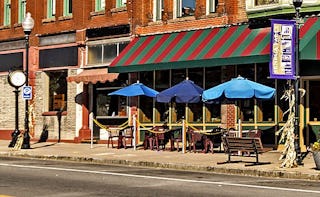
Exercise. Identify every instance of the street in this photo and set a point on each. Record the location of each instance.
(31, 177)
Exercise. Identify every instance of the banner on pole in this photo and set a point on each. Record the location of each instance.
(282, 49)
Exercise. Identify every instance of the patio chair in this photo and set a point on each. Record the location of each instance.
(114, 134)
(127, 136)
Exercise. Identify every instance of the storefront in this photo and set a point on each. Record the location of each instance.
(210, 57)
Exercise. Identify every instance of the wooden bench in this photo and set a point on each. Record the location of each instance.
(245, 146)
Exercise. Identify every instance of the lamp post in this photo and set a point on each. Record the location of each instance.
(27, 26)
(297, 5)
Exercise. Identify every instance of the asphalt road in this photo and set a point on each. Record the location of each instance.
(27, 177)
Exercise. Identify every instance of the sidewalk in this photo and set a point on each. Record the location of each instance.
(99, 153)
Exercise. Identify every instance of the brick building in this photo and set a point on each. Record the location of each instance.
(158, 42)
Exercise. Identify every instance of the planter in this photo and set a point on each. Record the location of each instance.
(316, 157)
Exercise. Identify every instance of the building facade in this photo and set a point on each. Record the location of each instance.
(69, 38)
(73, 64)
(211, 46)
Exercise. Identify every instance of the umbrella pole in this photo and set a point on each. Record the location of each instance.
(183, 136)
(134, 121)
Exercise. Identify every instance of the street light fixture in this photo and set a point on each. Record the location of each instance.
(27, 25)
(297, 5)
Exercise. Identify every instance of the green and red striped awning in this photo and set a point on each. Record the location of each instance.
(208, 47)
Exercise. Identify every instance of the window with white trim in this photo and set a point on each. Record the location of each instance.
(100, 5)
(51, 8)
(265, 2)
(103, 54)
(211, 6)
(67, 8)
(157, 10)
(22, 10)
(121, 3)
(7, 13)
(185, 8)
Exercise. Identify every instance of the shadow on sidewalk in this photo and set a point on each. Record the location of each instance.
(44, 145)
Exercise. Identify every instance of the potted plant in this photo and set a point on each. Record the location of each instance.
(315, 148)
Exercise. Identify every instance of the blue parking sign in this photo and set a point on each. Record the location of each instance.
(27, 92)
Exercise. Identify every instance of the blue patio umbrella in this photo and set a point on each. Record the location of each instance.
(238, 88)
(136, 89)
(184, 92)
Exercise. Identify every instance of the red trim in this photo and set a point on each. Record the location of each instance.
(318, 46)
(306, 26)
(203, 44)
(256, 41)
(186, 45)
(124, 52)
(154, 49)
(170, 47)
(236, 43)
(220, 42)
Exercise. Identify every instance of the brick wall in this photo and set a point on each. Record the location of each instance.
(227, 12)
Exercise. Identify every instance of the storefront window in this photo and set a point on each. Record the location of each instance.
(162, 79)
(213, 109)
(246, 107)
(146, 103)
(195, 109)
(282, 86)
(314, 87)
(265, 107)
(110, 105)
(106, 106)
(57, 90)
(178, 109)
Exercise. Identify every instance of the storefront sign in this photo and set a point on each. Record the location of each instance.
(282, 54)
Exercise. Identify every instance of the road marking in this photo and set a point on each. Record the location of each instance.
(161, 178)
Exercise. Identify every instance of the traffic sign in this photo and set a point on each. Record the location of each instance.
(27, 92)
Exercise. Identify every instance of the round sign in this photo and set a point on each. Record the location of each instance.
(17, 78)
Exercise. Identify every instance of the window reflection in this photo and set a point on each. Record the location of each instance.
(185, 8)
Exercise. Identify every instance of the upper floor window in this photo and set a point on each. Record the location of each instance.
(67, 7)
(157, 10)
(51, 8)
(104, 53)
(121, 3)
(100, 5)
(185, 8)
(7, 13)
(211, 6)
(22, 10)
(265, 2)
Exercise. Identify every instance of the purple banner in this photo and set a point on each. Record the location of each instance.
(282, 49)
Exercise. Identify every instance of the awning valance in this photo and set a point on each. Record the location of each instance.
(93, 76)
(204, 48)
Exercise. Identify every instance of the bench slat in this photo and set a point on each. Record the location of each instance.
(246, 145)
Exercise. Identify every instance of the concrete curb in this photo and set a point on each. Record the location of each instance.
(175, 166)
